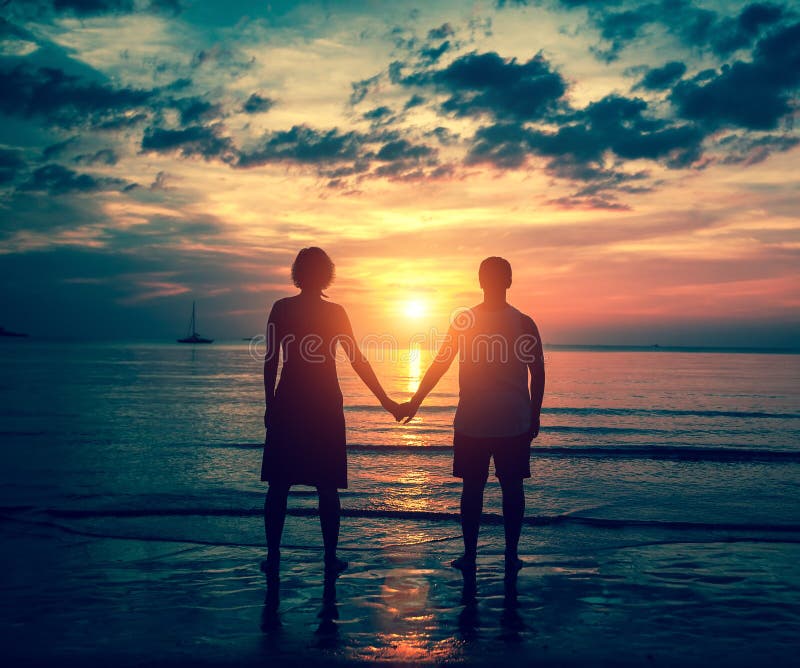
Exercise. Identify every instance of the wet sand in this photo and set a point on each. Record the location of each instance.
(588, 596)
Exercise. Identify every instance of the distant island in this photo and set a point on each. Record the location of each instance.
(6, 332)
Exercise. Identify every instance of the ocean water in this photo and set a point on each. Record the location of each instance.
(692, 440)
(662, 517)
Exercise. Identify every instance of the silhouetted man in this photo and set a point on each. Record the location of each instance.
(497, 414)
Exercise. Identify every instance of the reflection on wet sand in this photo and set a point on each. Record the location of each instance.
(328, 629)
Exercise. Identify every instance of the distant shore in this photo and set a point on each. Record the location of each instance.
(572, 347)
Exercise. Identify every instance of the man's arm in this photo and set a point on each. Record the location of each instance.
(271, 362)
(441, 363)
(536, 368)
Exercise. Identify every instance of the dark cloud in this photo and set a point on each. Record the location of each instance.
(90, 7)
(65, 100)
(257, 104)
(661, 78)
(171, 7)
(57, 149)
(303, 144)
(57, 180)
(442, 32)
(360, 89)
(11, 162)
(444, 135)
(620, 24)
(746, 150)
(577, 150)
(486, 83)
(431, 54)
(414, 101)
(614, 123)
(755, 94)
(195, 109)
(105, 156)
(619, 28)
(402, 150)
(377, 114)
(206, 142)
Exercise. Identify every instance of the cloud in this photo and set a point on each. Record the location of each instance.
(577, 148)
(305, 145)
(206, 142)
(403, 150)
(257, 104)
(414, 101)
(431, 54)
(105, 156)
(11, 162)
(442, 32)
(622, 23)
(377, 114)
(755, 95)
(91, 7)
(661, 78)
(746, 150)
(65, 100)
(57, 180)
(196, 109)
(487, 84)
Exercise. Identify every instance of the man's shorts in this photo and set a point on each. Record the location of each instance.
(512, 456)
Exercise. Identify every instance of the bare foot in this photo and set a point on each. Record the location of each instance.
(513, 564)
(335, 566)
(464, 563)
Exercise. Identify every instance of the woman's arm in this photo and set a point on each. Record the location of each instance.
(363, 368)
(271, 361)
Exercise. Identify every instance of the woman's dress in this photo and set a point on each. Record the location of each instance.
(305, 440)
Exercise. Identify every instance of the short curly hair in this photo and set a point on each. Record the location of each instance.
(313, 269)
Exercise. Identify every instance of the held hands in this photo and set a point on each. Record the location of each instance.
(405, 411)
(408, 410)
(393, 407)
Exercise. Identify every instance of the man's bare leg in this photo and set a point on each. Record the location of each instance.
(471, 508)
(513, 513)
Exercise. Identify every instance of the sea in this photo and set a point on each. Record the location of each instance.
(662, 522)
(701, 439)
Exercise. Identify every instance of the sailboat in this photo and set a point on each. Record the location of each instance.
(194, 337)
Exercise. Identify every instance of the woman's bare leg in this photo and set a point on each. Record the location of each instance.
(329, 513)
(274, 519)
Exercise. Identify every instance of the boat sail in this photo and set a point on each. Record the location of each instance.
(193, 336)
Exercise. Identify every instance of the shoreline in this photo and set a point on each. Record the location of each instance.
(587, 596)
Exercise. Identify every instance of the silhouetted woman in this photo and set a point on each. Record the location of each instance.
(305, 442)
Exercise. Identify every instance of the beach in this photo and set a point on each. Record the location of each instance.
(661, 519)
(585, 597)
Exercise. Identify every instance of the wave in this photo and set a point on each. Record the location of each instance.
(607, 410)
(681, 453)
(429, 516)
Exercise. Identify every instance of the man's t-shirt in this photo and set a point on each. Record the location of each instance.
(494, 399)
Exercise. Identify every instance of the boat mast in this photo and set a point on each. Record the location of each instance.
(194, 332)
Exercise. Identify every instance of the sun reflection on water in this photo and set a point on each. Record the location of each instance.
(414, 368)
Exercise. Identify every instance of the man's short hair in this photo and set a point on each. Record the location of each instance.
(313, 269)
(495, 272)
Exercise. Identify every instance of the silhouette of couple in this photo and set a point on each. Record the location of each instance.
(497, 415)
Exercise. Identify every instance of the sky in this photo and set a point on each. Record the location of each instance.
(636, 162)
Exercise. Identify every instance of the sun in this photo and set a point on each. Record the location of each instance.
(414, 308)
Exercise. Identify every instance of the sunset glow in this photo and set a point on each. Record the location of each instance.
(415, 309)
(157, 153)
